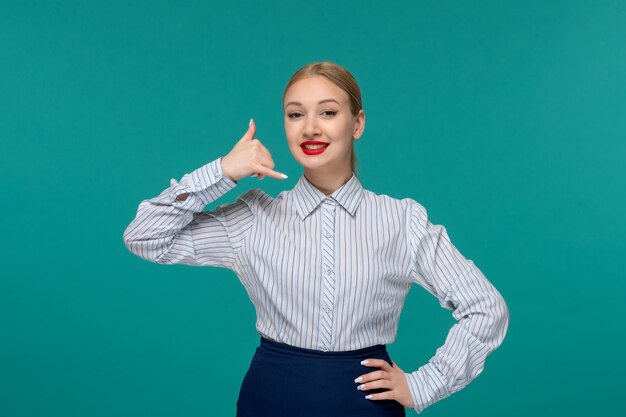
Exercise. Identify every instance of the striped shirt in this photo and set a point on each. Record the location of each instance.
(329, 272)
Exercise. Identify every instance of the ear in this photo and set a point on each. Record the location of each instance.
(359, 125)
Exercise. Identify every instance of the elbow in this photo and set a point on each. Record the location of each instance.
(141, 248)
(131, 242)
(500, 320)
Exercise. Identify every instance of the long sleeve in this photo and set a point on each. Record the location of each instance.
(481, 314)
(169, 231)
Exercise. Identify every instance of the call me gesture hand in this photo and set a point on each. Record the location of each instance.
(249, 158)
(391, 378)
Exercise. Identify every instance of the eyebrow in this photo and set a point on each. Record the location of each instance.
(297, 103)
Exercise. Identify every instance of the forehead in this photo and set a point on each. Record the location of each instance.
(311, 90)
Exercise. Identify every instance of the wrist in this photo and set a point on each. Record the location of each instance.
(225, 170)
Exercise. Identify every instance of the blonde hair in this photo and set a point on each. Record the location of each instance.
(339, 76)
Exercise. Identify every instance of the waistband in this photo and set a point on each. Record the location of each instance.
(283, 348)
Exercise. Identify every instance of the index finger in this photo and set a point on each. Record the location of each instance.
(270, 172)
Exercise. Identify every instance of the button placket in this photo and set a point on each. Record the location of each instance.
(327, 300)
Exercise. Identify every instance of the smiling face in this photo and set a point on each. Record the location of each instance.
(316, 110)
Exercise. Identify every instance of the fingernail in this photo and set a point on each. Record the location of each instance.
(284, 176)
(368, 396)
(250, 122)
(360, 387)
(364, 362)
(359, 379)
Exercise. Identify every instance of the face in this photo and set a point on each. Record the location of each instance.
(318, 111)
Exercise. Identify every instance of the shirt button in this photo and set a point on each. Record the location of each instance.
(329, 271)
(327, 310)
(324, 348)
(199, 184)
(328, 234)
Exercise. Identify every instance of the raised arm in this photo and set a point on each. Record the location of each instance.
(172, 228)
(480, 311)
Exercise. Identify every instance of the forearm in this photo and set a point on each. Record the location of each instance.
(160, 219)
(482, 321)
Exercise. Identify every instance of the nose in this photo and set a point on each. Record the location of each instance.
(310, 128)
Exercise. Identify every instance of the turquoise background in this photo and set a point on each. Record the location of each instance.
(506, 120)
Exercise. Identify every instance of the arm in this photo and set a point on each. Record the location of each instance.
(171, 228)
(480, 311)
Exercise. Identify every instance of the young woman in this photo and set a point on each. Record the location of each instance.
(327, 265)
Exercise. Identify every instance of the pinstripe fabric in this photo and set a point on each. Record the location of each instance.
(329, 272)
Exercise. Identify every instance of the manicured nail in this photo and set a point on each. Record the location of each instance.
(284, 176)
(250, 122)
(368, 396)
(360, 387)
(359, 379)
(364, 362)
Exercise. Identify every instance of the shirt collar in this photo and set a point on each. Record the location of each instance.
(308, 197)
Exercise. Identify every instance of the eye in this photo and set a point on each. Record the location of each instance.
(294, 115)
(329, 112)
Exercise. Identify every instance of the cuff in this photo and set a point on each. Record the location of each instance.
(426, 386)
(206, 183)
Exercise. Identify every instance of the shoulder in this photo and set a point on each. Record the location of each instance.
(413, 213)
(405, 204)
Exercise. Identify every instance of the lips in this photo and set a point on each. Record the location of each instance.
(313, 147)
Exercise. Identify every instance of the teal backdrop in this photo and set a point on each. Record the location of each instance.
(506, 120)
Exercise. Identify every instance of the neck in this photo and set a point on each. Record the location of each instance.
(328, 181)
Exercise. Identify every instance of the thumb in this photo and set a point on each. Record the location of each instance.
(249, 135)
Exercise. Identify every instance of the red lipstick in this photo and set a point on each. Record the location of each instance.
(316, 151)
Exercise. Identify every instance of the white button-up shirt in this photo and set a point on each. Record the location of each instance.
(329, 272)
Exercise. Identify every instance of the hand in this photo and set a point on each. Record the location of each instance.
(388, 377)
(248, 157)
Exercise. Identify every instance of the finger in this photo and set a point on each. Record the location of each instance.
(379, 383)
(377, 363)
(372, 376)
(266, 158)
(265, 171)
(385, 395)
(250, 132)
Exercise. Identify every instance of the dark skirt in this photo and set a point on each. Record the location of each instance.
(285, 380)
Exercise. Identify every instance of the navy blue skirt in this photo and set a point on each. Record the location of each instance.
(285, 380)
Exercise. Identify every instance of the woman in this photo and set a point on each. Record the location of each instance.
(327, 265)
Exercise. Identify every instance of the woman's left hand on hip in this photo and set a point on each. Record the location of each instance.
(391, 378)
